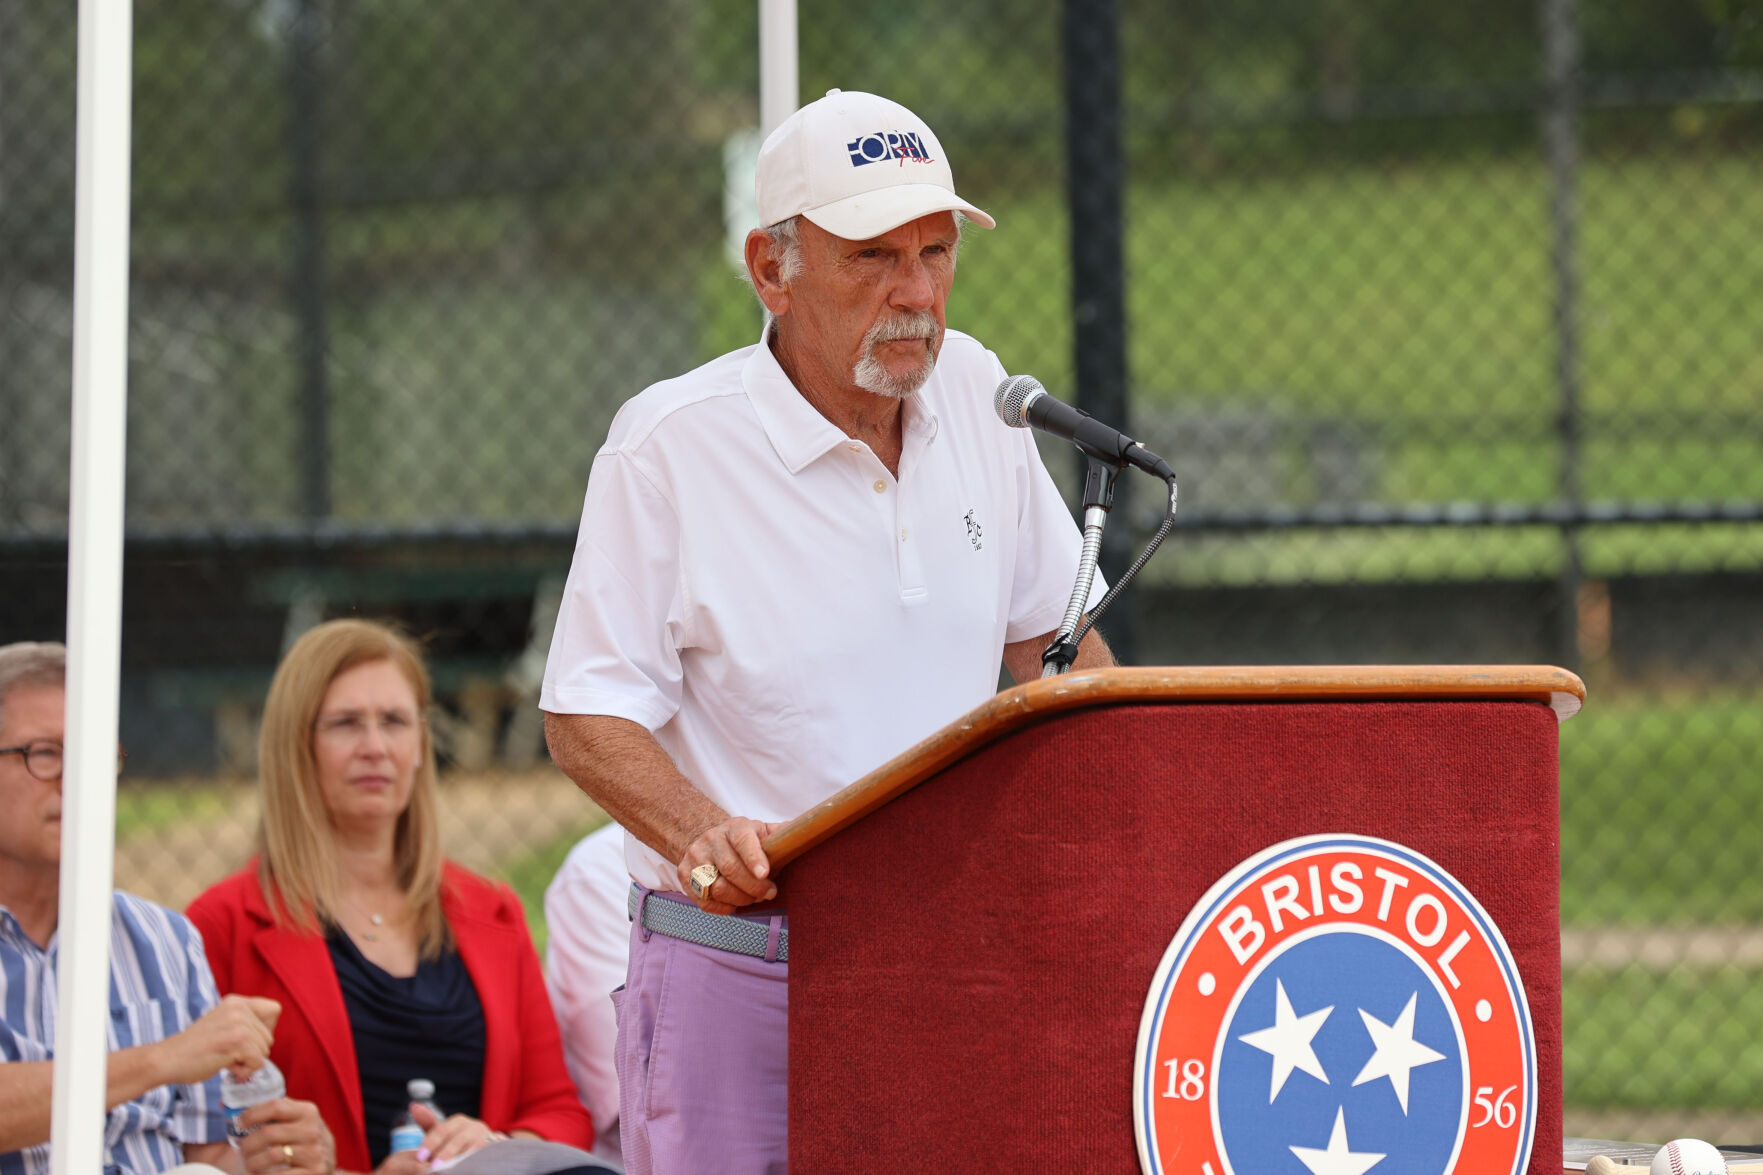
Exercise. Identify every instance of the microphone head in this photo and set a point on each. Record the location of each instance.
(1013, 396)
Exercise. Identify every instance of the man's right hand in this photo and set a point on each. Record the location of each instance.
(234, 1034)
(624, 770)
(736, 848)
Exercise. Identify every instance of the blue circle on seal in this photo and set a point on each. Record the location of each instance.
(1388, 1052)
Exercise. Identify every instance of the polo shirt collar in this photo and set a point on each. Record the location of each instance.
(12, 934)
(797, 431)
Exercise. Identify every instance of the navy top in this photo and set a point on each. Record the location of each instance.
(430, 1024)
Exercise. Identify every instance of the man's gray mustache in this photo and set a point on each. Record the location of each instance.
(909, 326)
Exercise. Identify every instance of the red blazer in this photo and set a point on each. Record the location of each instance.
(526, 1086)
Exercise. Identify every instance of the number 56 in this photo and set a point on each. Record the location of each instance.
(1500, 1112)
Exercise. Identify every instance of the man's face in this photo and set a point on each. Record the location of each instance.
(30, 808)
(870, 313)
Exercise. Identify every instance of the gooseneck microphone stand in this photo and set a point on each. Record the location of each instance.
(1098, 500)
(1099, 479)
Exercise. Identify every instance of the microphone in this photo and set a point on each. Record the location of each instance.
(1022, 402)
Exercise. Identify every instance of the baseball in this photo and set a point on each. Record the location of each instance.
(1688, 1156)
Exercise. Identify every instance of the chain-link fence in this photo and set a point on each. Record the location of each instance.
(1447, 316)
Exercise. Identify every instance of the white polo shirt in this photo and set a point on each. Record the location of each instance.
(755, 587)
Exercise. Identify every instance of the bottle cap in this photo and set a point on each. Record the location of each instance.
(421, 1089)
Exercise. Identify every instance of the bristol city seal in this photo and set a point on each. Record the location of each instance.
(1336, 1005)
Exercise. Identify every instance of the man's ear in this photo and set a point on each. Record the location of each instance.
(762, 267)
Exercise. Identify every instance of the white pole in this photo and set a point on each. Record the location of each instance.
(778, 85)
(94, 581)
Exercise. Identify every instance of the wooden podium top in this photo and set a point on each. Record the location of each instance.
(1024, 705)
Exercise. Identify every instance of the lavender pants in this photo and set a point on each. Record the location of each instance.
(703, 1058)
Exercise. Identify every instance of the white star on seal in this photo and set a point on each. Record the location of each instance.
(1337, 1159)
(1398, 1053)
(1288, 1041)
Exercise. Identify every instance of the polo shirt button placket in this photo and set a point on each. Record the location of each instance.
(886, 508)
(912, 588)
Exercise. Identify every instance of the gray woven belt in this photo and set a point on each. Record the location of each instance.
(721, 931)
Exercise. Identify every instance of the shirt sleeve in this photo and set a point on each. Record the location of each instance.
(616, 647)
(196, 1112)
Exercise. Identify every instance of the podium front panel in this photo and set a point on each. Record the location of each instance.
(970, 962)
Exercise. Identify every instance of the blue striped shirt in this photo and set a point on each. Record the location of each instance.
(159, 985)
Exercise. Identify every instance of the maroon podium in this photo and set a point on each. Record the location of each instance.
(976, 924)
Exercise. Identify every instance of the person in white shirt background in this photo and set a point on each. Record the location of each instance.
(585, 958)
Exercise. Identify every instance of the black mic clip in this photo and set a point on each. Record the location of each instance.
(1099, 477)
(1060, 655)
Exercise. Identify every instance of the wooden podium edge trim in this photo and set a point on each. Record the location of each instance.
(1025, 705)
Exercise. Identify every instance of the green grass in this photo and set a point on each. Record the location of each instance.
(1404, 312)
(1655, 1041)
(142, 807)
(532, 871)
(1421, 295)
(1414, 303)
(1661, 800)
(1661, 795)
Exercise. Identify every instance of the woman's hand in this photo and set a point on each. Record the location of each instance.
(287, 1136)
(457, 1135)
(402, 1163)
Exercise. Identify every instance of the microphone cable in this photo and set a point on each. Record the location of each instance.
(1115, 589)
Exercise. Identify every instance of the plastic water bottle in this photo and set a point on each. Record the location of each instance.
(265, 1085)
(407, 1133)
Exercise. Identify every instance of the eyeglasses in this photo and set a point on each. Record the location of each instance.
(42, 758)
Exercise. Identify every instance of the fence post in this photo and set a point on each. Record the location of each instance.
(306, 196)
(1095, 182)
(1561, 43)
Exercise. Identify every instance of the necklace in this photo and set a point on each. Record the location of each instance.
(378, 920)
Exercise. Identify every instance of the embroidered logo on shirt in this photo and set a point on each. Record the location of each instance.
(974, 532)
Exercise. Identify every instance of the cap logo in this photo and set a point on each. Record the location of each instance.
(881, 145)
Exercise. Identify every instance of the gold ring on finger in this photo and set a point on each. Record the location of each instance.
(288, 1153)
(703, 877)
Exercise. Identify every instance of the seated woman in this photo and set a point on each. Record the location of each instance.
(390, 963)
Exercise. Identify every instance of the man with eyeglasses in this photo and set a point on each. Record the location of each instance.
(170, 1034)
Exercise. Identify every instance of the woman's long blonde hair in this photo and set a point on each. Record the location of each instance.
(297, 863)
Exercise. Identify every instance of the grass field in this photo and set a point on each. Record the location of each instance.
(1659, 798)
(1399, 321)
(1651, 1040)
(1380, 333)
(1661, 802)
(144, 808)
(1375, 333)
(1668, 779)
(532, 871)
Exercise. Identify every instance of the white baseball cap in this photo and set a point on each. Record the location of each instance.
(858, 166)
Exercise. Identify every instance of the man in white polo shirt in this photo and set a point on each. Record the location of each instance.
(794, 563)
